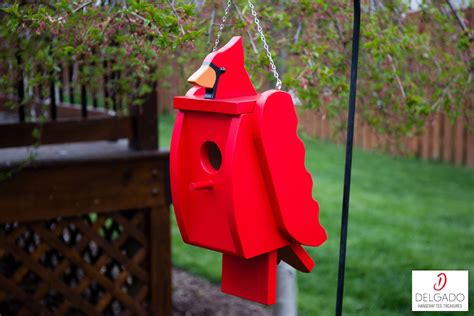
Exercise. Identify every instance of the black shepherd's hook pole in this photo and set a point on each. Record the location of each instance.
(348, 166)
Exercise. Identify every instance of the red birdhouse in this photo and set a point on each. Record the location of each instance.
(238, 180)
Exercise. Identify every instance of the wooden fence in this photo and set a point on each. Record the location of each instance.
(441, 140)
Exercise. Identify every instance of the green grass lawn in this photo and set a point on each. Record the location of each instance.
(405, 215)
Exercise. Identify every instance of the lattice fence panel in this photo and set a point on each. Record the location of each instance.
(84, 265)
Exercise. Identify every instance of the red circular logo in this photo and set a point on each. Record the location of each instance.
(441, 283)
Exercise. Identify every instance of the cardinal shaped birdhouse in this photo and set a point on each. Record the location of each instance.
(238, 180)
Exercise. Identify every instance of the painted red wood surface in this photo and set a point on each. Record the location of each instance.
(238, 178)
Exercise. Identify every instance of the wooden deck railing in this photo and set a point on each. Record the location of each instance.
(84, 226)
(62, 120)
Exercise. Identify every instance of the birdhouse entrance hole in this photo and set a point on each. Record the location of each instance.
(211, 157)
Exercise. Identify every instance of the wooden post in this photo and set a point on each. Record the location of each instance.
(83, 101)
(314, 123)
(459, 141)
(52, 96)
(425, 143)
(358, 131)
(381, 143)
(365, 136)
(319, 124)
(436, 137)
(160, 263)
(470, 148)
(145, 123)
(20, 89)
(105, 84)
(83, 91)
(325, 132)
(372, 138)
(113, 79)
(71, 83)
(447, 139)
(411, 145)
(61, 83)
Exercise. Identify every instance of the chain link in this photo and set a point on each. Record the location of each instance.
(221, 26)
(262, 36)
(265, 46)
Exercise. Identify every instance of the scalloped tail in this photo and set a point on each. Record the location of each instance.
(297, 257)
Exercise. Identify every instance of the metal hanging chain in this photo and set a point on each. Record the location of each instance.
(262, 36)
(265, 46)
(221, 26)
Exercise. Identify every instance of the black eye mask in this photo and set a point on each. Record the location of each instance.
(211, 92)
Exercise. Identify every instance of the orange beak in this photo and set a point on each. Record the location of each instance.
(205, 77)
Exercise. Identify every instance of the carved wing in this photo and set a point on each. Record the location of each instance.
(281, 155)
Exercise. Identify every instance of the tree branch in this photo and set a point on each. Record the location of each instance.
(461, 23)
(298, 32)
(138, 16)
(241, 17)
(82, 6)
(399, 81)
(211, 23)
(339, 31)
(444, 93)
(177, 16)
